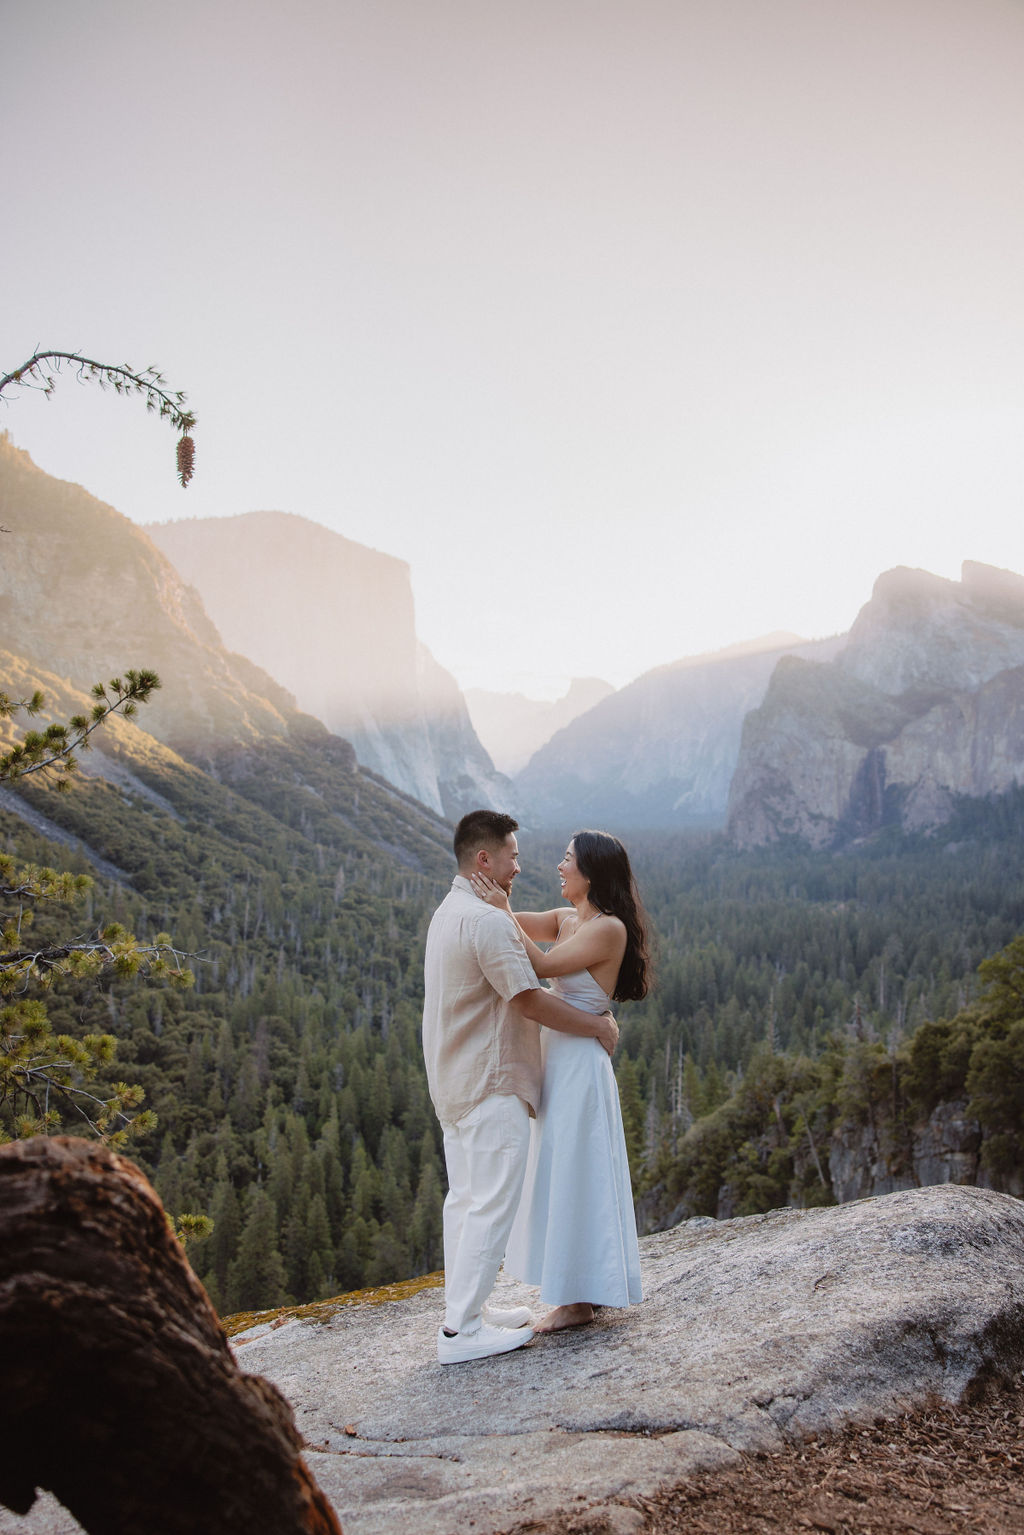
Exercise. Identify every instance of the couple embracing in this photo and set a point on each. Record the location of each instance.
(520, 1077)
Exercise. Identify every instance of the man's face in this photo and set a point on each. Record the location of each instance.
(502, 863)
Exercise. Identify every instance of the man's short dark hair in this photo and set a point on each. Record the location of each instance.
(482, 828)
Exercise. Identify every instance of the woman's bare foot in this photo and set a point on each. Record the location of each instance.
(565, 1316)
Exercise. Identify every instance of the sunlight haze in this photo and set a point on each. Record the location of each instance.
(637, 330)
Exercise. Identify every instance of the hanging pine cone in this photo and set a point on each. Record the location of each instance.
(186, 459)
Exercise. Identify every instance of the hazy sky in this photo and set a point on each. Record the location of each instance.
(637, 327)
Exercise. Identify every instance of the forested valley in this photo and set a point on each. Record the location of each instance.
(794, 992)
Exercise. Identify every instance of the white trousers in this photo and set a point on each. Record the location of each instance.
(485, 1153)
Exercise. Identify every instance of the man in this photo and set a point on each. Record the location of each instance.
(482, 1009)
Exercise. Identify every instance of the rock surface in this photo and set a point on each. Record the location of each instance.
(755, 1332)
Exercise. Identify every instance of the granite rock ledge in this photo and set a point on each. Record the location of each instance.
(755, 1332)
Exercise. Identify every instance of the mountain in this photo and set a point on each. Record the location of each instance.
(298, 884)
(86, 595)
(512, 727)
(333, 621)
(661, 751)
(923, 703)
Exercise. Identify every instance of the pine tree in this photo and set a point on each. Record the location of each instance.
(45, 1075)
(319, 1250)
(363, 1183)
(632, 1116)
(389, 1256)
(426, 1249)
(221, 1246)
(256, 1278)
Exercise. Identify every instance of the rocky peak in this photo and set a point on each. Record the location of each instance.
(1000, 593)
(512, 727)
(661, 751)
(924, 702)
(921, 632)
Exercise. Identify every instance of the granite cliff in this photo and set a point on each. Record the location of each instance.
(333, 621)
(86, 595)
(661, 751)
(864, 1157)
(923, 703)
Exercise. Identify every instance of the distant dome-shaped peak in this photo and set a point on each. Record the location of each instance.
(906, 586)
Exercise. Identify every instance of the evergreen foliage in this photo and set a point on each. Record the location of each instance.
(42, 1072)
(802, 995)
(52, 750)
(301, 889)
(794, 991)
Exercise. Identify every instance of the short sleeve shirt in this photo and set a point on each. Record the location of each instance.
(474, 1043)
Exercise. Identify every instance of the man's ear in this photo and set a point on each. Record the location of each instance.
(483, 859)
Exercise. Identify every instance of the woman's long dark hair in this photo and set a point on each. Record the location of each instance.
(603, 860)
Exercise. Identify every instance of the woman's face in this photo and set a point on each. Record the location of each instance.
(574, 885)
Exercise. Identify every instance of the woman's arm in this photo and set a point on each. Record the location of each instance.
(603, 937)
(541, 926)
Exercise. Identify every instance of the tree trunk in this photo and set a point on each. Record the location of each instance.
(120, 1394)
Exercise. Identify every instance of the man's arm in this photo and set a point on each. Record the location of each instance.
(541, 1007)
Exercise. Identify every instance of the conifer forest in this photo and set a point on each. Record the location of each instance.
(796, 993)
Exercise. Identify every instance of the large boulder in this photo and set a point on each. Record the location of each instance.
(121, 1395)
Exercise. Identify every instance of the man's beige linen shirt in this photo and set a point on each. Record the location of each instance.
(474, 1043)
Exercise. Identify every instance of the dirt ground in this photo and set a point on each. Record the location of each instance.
(937, 1472)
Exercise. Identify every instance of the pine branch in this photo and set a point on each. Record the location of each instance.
(36, 1064)
(123, 379)
(38, 884)
(55, 746)
(114, 949)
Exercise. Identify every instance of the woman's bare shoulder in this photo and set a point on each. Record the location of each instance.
(608, 922)
(603, 922)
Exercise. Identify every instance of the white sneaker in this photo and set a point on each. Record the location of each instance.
(519, 1316)
(486, 1340)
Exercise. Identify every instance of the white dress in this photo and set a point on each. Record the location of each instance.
(574, 1233)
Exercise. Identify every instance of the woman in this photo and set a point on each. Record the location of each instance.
(575, 1231)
